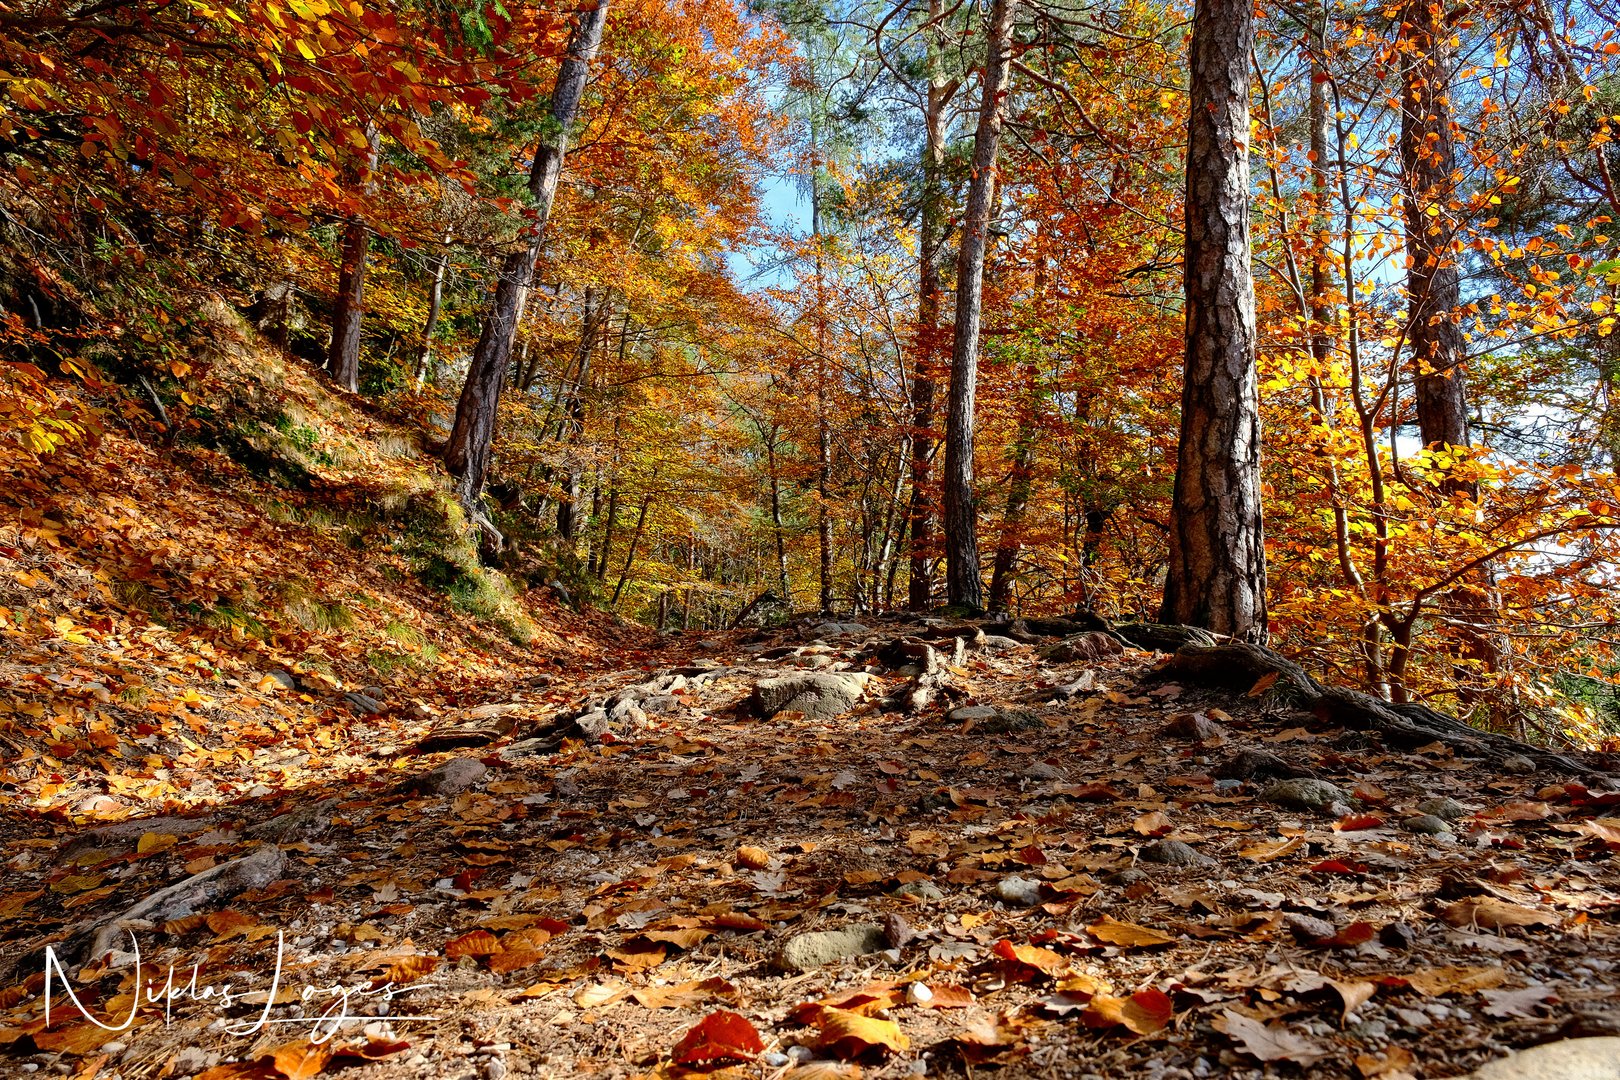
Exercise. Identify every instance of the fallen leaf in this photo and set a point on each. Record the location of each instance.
(1268, 1043)
(849, 1035)
(1031, 956)
(1433, 982)
(1111, 930)
(720, 1036)
(754, 858)
(1493, 914)
(472, 943)
(1272, 851)
(685, 995)
(1144, 1012)
(1155, 823)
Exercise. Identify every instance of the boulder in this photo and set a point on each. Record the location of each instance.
(819, 695)
(806, 952)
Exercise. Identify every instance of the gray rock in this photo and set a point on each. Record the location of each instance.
(185, 897)
(285, 678)
(921, 890)
(309, 821)
(1024, 892)
(806, 952)
(1175, 853)
(1428, 824)
(819, 695)
(971, 712)
(364, 704)
(1445, 809)
(1040, 770)
(1518, 764)
(1309, 927)
(1572, 1059)
(997, 643)
(1194, 726)
(594, 724)
(455, 775)
(840, 629)
(1128, 876)
(1305, 793)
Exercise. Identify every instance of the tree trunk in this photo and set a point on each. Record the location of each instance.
(1217, 575)
(1427, 163)
(594, 317)
(424, 357)
(343, 357)
(776, 521)
(468, 452)
(962, 584)
(630, 556)
(924, 379)
(1018, 489)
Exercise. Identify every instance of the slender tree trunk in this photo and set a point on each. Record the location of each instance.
(925, 376)
(962, 584)
(823, 425)
(594, 317)
(467, 455)
(1217, 575)
(424, 356)
(1019, 484)
(776, 521)
(343, 357)
(1427, 163)
(630, 556)
(607, 533)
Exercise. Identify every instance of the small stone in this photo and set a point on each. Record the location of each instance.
(1305, 793)
(898, 931)
(1368, 1030)
(1518, 764)
(455, 775)
(919, 994)
(1175, 853)
(806, 952)
(1228, 787)
(1040, 770)
(1309, 927)
(1427, 824)
(1572, 1059)
(1024, 892)
(1446, 809)
(1126, 877)
(775, 1060)
(1260, 764)
(997, 643)
(494, 1069)
(801, 1054)
(1397, 935)
(594, 724)
(971, 712)
(1195, 726)
(113, 1047)
(920, 890)
(840, 629)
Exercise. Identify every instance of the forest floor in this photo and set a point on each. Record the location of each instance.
(359, 770)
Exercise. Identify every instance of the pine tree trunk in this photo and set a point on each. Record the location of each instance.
(962, 584)
(924, 381)
(467, 455)
(1217, 574)
(1427, 162)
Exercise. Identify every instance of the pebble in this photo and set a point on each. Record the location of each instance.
(1025, 892)
(494, 1069)
(1518, 764)
(1175, 853)
(1427, 824)
(919, 994)
(1227, 787)
(922, 890)
(1446, 809)
(1305, 793)
(971, 712)
(775, 1059)
(1571, 1059)
(800, 1054)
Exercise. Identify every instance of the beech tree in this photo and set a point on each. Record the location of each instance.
(468, 453)
(1217, 570)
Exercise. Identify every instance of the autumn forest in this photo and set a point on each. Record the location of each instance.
(397, 363)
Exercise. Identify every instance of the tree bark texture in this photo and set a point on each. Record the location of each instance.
(424, 357)
(1428, 161)
(962, 583)
(468, 453)
(343, 357)
(1217, 574)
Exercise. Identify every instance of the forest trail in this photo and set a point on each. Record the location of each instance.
(1111, 883)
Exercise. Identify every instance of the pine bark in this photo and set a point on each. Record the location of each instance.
(472, 439)
(1217, 573)
(962, 582)
(1428, 160)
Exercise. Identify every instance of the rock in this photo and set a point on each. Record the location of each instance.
(806, 952)
(594, 724)
(920, 890)
(1428, 824)
(455, 775)
(1397, 935)
(1195, 726)
(1041, 770)
(1520, 765)
(364, 704)
(1126, 877)
(1228, 787)
(1309, 928)
(997, 643)
(287, 680)
(840, 629)
(1024, 892)
(819, 695)
(978, 713)
(1445, 809)
(192, 1060)
(1007, 721)
(1260, 764)
(898, 931)
(309, 821)
(1572, 1059)
(1305, 793)
(1174, 853)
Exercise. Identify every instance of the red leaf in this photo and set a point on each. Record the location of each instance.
(719, 1036)
(1338, 866)
(1357, 933)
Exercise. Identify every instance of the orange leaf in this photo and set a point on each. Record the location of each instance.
(1111, 930)
(1033, 956)
(472, 943)
(850, 1034)
(720, 1036)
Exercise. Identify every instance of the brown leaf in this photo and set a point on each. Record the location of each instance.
(720, 1036)
(1111, 930)
(686, 995)
(1030, 956)
(849, 1035)
(755, 858)
(1268, 1043)
(514, 960)
(472, 943)
(1492, 914)
(1155, 823)
(1273, 850)
(1433, 982)
(1144, 1012)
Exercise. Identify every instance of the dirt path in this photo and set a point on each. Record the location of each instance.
(578, 912)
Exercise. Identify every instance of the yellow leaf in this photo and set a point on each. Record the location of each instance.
(849, 1034)
(1130, 935)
